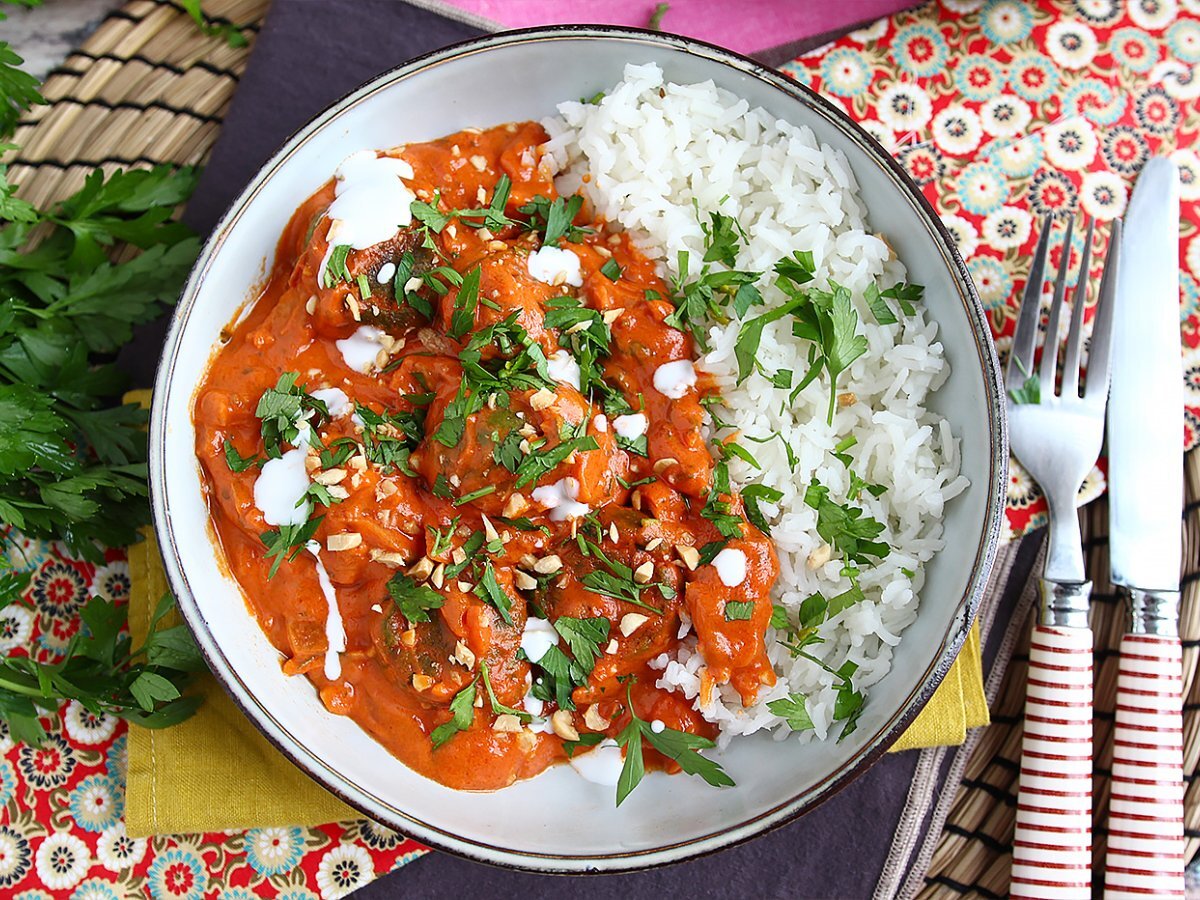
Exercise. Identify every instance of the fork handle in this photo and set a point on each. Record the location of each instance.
(1052, 845)
(1145, 837)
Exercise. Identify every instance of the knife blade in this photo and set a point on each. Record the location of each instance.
(1145, 449)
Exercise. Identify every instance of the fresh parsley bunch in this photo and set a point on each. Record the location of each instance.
(101, 669)
(73, 465)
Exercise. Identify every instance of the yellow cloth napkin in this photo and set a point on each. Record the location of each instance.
(216, 771)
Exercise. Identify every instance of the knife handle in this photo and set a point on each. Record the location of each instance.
(1052, 845)
(1145, 837)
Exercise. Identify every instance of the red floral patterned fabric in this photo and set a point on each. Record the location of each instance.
(1004, 111)
(62, 833)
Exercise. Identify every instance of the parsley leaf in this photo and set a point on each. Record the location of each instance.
(462, 709)
(467, 299)
(555, 219)
(282, 408)
(845, 527)
(288, 541)
(793, 710)
(497, 707)
(681, 746)
(751, 495)
(584, 637)
(237, 462)
(488, 589)
(335, 267)
(739, 610)
(611, 270)
(415, 601)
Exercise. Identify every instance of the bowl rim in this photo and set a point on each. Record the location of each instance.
(719, 838)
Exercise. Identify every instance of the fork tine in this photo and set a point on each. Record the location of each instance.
(1025, 334)
(1050, 345)
(1099, 362)
(1070, 370)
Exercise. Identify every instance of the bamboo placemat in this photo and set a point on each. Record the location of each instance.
(148, 87)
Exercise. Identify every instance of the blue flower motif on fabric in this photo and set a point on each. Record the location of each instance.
(1093, 99)
(1006, 21)
(845, 72)
(923, 162)
(274, 851)
(237, 894)
(982, 189)
(992, 281)
(1033, 76)
(177, 874)
(97, 803)
(920, 50)
(1191, 295)
(978, 77)
(8, 782)
(96, 889)
(1184, 40)
(296, 893)
(1133, 49)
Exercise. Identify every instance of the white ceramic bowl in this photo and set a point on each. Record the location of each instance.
(557, 821)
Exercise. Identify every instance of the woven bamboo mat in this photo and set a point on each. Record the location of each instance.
(148, 87)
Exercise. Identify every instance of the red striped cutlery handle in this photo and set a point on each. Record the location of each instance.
(1145, 838)
(1052, 845)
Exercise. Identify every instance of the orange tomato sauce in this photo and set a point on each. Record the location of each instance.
(398, 677)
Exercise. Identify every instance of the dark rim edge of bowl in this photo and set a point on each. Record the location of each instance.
(779, 815)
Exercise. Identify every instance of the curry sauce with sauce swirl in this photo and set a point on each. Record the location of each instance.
(454, 510)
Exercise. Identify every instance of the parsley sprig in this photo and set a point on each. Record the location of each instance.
(73, 464)
(101, 669)
(681, 746)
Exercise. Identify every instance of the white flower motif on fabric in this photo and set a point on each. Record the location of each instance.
(1070, 144)
(962, 6)
(111, 581)
(1007, 228)
(1152, 14)
(966, 238)
(1179, 81)
(1071, 44)
(344, 869)
(872, 32)
(881, 133)
(16, 627)
(904, 107)
(956, 130)
(1005, 116)
(1098, 12)
(116, 850)
(1005, 20)
(86, 727)
(62, 861)
(1189, 174)
(1103, 195)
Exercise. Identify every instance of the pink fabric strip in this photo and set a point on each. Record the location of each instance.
(742, 25)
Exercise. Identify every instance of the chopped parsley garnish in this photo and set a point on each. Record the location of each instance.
(364, 287)
(462, 709)
(280, 410)
(560, 675)
(584, 637)
(793, 710)
(497, 707)
(656, 17)
(506, 451)
(488, 589)
(904, 294)
(540, 463)
(611, 269)
(288, 541)
(475, 495)
(720, 511)
(705, 298)
(739, 610)
(555, 218)
(237, 462)
(618, 581)
(751, 495)
(492, 217)
(465, 302)
(681, 746)
(846, 528)
(415, 601)
(390, 437)
(335, 268)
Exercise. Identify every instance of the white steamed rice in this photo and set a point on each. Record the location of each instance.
(652, 149)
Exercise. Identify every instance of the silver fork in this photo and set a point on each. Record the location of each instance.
(1057, 437)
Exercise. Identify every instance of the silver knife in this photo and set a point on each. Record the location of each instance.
(1145, 474)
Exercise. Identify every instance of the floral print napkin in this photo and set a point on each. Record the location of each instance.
(1005, 111)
